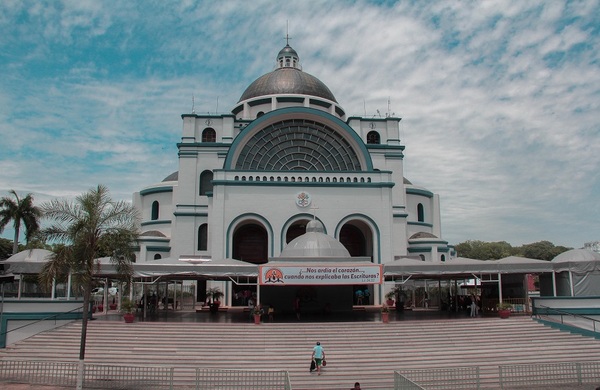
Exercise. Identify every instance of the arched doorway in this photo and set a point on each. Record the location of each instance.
(357, 237)
(251, 244)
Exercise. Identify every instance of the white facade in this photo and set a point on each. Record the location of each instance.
(240, 175)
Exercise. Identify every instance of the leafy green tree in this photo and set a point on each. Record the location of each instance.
(5, 248)
(91, 224)
(482, 250)
(542, 250)
(19, 210)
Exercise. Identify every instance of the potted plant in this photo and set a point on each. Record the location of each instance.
(127, 309)
(385, 313)
(504, 309)
(390, 297)
(215, 294)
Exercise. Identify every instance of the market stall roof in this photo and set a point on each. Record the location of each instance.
(29, 261)
(196, 267)
(464, 267)
(525, 265)
(456, 267)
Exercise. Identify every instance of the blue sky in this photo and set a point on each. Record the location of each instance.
(499, 100)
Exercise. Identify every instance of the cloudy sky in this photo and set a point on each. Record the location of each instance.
(499, 100)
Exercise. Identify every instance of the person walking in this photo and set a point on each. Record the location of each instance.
(473, 306)
(318, 355)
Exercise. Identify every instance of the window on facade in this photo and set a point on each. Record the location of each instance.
(206, 182)
(420, 213)
(209, 135)
(203, 237)
(373, 138)
(155, 207)
(443, 258)
(157, 257)
(422, 257)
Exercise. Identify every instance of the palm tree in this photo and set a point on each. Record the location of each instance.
(21, 210)
(91, 226)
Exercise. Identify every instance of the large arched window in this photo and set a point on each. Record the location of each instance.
(206, 182)
(203, 237)
(250, 243)
(373, 138)
(155, 208)
(420, 213)
(209, 135)
(298, 145)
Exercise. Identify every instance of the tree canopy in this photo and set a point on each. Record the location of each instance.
(84, 229)
(20, 211)
(474, 249)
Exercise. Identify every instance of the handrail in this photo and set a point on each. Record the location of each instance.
(42, 319)
(563, 313)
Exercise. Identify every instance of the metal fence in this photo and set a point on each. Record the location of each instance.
(99, 376)
(442, 378)
(403, 383)
(95, 376)
(211, 379)
(527, 375)
(39, 372)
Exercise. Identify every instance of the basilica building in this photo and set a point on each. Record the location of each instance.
(250, 181)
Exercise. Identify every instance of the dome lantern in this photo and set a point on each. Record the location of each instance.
(288, 58)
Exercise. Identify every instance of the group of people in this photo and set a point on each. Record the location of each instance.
(363, 297)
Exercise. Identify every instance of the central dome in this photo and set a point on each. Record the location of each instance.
(287, 81)
(288, 78)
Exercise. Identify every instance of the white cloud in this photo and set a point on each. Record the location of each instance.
(499, 99)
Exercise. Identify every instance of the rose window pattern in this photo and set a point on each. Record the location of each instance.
(298, 144)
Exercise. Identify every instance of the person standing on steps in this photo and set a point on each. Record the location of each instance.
(318, 356)
(297, 307)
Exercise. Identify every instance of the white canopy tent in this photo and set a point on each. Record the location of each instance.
(577, 273)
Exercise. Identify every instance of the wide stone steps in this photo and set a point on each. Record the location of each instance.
(367, 352)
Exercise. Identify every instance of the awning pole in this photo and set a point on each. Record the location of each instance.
(499, 287)
(571, 283)
(69, 281)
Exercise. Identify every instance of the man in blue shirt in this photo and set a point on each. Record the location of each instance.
(318, 356)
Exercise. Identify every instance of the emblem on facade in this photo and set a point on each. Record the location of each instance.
(303, 199)
(273, 275)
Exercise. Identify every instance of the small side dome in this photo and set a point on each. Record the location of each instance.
(315, 226)
(172, 177)
(152, 233)
(422, 235)
(314, 243)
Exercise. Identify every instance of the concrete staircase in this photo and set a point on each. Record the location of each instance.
(367, 352)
